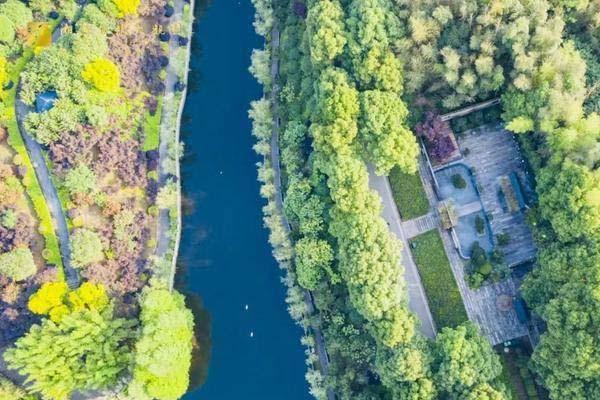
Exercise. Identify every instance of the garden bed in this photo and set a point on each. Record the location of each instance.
(445, 301)
(409, 194)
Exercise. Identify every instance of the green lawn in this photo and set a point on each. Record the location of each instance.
(409, 194)
(442, 292)
(151, 128)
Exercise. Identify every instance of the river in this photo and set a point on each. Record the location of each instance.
(225, 261)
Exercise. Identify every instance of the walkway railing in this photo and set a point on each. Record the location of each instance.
(468, 110)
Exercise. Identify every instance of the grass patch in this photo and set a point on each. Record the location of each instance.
(409, 194)
(151, 127)
(442, 291)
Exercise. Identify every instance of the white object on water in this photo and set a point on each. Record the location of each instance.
(251, 334)
(246, 307)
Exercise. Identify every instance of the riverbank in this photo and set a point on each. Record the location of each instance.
(169, 223)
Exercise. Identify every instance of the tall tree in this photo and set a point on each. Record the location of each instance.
(86, 350)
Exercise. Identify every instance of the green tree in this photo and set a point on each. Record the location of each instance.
(91, 14)
(407, 371)
(313, 260)
(260, 66)
(17, 12)
(49, 126)
(464, 360)
(88, 44)
(569, 199)
(9, 219)
(383, 132)
(84, 351)
(86, 248)
(80, 180)
(484, 391)
(325, 31)
(10, 391)
(163, 351)
(372, 62)
(7, 30)
(17, 264)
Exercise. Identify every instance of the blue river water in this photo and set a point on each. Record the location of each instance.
(225, 261)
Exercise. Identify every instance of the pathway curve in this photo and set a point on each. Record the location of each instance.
(320, 346)
(417, 300)
(45, 180)
(50, 194)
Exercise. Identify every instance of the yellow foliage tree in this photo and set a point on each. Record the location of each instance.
(127, 7)
(55, 300)
(43, 40)
(49, 296)
(103, 74)
(88, 296)
(3, 72)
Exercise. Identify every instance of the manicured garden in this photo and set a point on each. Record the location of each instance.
(445, 301)
(408, 193)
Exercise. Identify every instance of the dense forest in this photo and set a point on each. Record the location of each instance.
(83, 83)
(355, 77)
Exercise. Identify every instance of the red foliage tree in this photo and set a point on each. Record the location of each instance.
(438, 136)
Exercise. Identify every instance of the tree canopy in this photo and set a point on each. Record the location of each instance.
(51, 354)
(163, 352)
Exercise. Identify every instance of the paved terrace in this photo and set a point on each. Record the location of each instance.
(493, 153)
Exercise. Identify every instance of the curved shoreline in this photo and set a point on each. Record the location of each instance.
(171, 132)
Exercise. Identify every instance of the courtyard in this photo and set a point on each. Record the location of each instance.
(489, 202)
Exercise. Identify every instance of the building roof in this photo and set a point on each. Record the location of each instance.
(45, 101)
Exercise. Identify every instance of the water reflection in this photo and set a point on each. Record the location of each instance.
(202, 343)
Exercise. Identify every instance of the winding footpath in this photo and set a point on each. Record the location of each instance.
(320, 347)
(48, 189)
(50, 194)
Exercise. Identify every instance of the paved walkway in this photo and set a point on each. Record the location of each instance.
(417, 301)
(50, 194)
(320, 347)
(467, 209)
(48, 189)
(417, 226)
(168, 130)
(468, 110)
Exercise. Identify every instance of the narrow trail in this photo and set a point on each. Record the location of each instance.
(166, 130)
(320, 346)
(44, 178)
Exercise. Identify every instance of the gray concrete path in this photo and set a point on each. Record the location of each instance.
(417, 301)
(467, 209)
(50, 194)
(48, 189)
(417, 226)
(168, 130)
